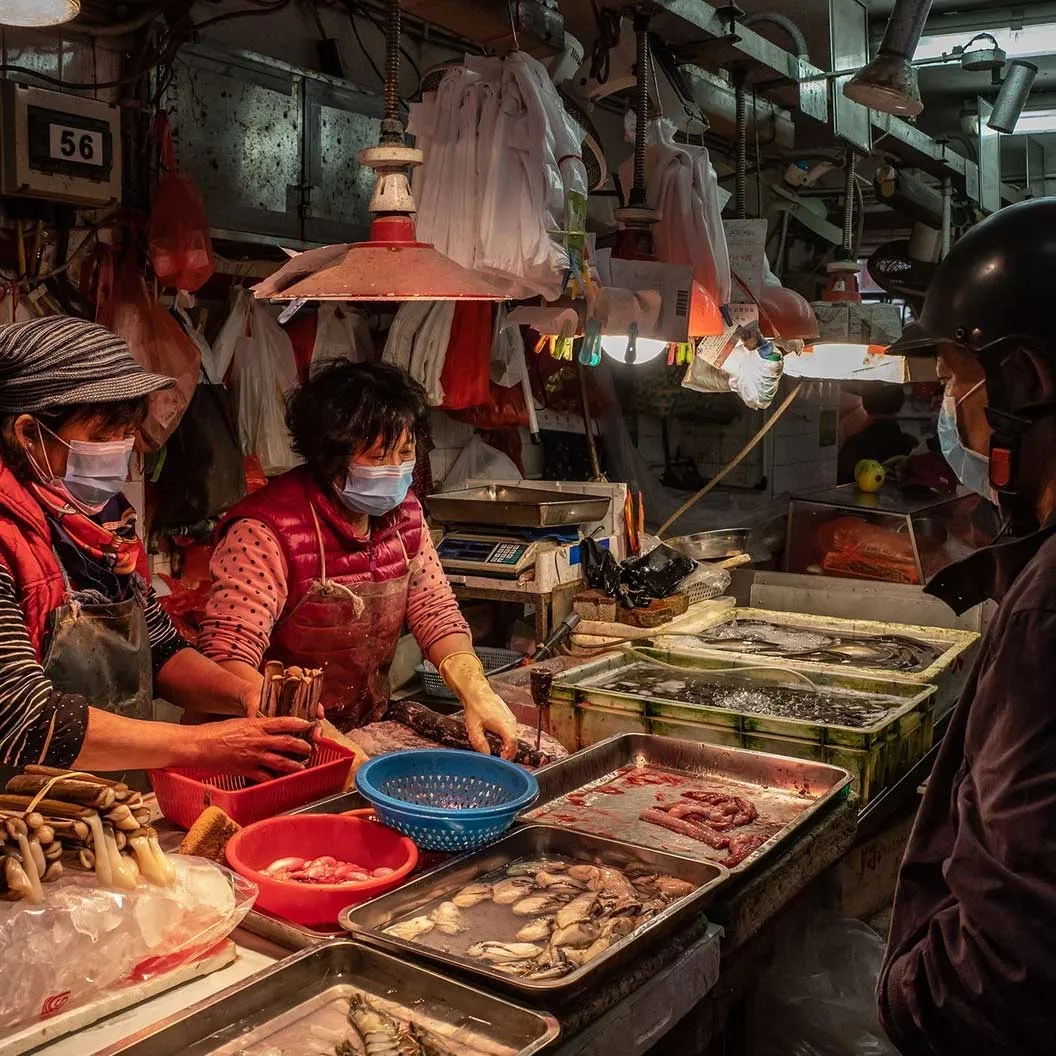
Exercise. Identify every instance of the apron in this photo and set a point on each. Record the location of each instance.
(351, 633)
(101, 650)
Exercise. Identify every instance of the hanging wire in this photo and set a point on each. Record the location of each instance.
(514, 14)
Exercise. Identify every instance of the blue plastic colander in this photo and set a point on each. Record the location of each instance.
(444, 799)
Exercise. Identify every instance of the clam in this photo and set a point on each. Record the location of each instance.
(534, 905)
(448, 919)
(538, 865)
(557, 881)
(508, 891)
(504, 952)
(574, 936)
(472, 895)
(672, 887)
(578, 909)
(536, 930)
(409, 930)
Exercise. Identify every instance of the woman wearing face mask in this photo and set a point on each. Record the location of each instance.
(84, 645)
(323, 567)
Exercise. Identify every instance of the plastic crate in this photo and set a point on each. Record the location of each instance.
(183, 793)
(435, 686)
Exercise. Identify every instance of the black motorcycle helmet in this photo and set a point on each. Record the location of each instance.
(993, 296)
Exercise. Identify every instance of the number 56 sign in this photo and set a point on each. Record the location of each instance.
(75, 144)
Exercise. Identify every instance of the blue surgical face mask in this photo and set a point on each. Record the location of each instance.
(95, 472)
(972, 469)
(375, 490)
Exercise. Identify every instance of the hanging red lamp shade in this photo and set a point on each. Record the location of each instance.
(705, 319)
(783, 313)
(392, 265)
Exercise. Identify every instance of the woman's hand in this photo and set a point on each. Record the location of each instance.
(256, 748)
(486, 712)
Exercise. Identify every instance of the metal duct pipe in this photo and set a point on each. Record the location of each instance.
(775, 18)
(925, 244)
(889, 82)
(1015, 90)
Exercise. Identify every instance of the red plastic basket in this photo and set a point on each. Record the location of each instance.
(184, 792)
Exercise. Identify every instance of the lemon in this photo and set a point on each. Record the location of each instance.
(869, 475)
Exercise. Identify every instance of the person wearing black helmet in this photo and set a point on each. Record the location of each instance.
(969, 965)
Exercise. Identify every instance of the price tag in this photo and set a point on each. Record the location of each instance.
(75, 145)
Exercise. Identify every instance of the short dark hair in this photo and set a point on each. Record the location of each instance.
(879, 397)
(109, 415)
(346, 407)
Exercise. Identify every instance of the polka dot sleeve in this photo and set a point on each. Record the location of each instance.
(432, 611)
(247, 596)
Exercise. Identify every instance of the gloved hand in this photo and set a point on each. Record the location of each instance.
(485, 709)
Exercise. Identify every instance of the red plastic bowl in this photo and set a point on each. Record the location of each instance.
(368, 843)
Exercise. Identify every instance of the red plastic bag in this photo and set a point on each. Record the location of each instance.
(157, 341)
(181, 251)
(466, 377)
(505, 407)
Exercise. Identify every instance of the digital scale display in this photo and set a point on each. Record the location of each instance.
(482, 551)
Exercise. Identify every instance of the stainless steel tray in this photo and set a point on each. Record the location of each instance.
(790, 791)
(228, 1022)
(367, 920)
(516, 507)
(712, 546)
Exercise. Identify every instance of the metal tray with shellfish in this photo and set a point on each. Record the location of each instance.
(540, 912)
(342, 996)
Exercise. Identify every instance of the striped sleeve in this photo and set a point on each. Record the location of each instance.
(37, 725)
(165, 640)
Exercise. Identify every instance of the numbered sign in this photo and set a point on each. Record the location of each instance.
(75, 144)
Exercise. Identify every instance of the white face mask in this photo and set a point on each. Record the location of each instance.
(972, 468)
(95, 472)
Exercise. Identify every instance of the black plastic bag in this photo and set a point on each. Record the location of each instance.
(202, 473)
(658, 572)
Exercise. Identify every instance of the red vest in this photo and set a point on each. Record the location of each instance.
(285, 506)
(25, 549)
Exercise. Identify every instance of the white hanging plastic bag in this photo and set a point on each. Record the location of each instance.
(507, 353)
(479, 461)
(234, 329)
(263, 373)
(341, 332)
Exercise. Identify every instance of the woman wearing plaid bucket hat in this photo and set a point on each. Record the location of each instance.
(84, 644)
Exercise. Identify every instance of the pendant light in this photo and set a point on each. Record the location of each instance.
(889, 82)
(38, 12)
(392, 265)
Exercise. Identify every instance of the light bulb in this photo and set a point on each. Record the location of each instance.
(646, 348)
(38, 12)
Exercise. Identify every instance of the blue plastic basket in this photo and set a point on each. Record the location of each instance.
(444, 799)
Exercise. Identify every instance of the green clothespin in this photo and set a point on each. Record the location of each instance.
(590, 349)
(565, 340)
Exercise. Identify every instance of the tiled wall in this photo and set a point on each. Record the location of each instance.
(799, 454)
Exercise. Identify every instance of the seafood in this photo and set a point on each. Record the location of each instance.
(672, 887)
(471, 895)
(504, 952)
(535, 905)
(448, 918)
(708, 816)
(531, 868)
(577, 935)
(409, 930)
(382, 1035)
(536, 930)
(512, 889)
(578, 909)
(557, 882)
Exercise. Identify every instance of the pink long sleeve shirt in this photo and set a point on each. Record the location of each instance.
(249, 595)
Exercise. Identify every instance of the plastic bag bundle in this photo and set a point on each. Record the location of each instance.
(503, 162)
(683, 186)
(417, 343)
(181, 250)
(263, 371)
(85, 941)
(479, 461)
(341, 332)
(157, 341)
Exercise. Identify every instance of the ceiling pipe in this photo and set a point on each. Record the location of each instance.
(775, 18)
(1015, 90)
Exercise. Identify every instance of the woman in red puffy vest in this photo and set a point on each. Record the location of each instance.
(84, 644)
(324, 566)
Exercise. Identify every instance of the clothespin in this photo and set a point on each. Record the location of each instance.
(590, 349)
(632, 344)
(565, 339)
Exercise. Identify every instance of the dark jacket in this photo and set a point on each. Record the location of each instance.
(971, 960)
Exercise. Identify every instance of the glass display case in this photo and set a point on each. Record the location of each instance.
(888, 535)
